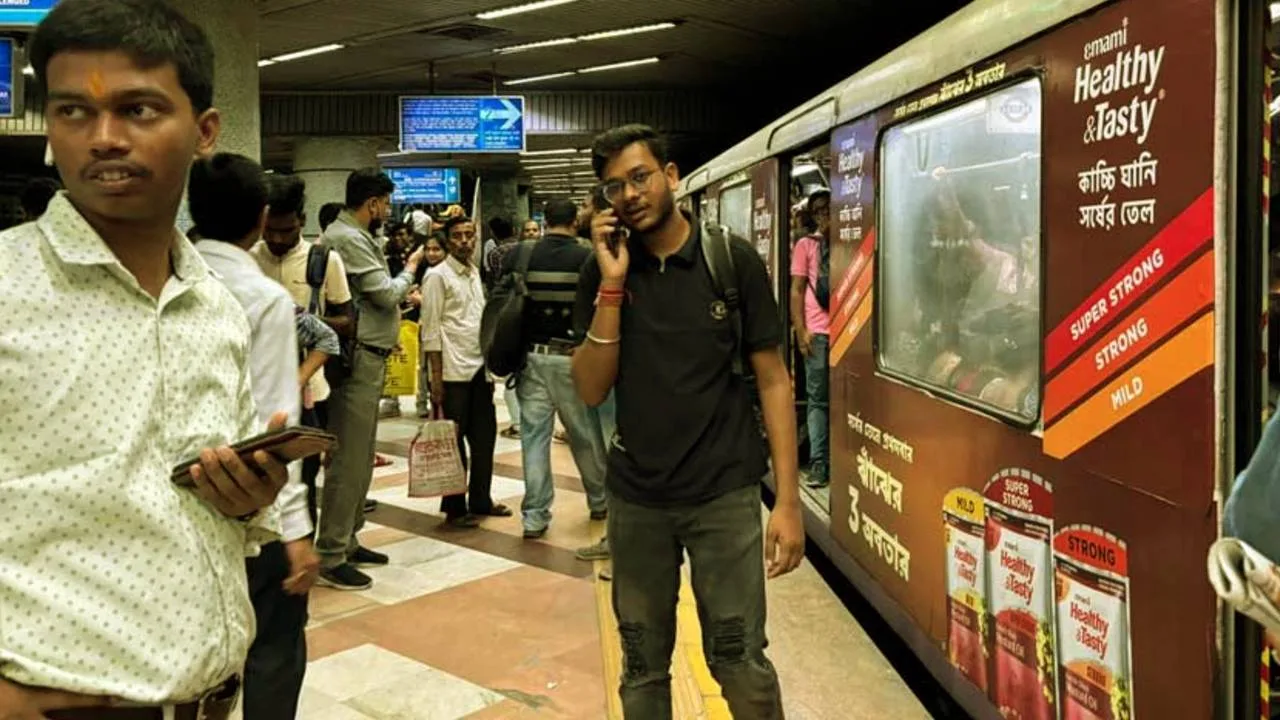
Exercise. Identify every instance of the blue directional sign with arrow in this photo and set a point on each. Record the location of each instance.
(426, 185)
(434, 123)
(8, 78)
(24, 13)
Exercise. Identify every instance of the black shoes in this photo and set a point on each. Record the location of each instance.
(599, 514)
(365, 556)
(345, 577)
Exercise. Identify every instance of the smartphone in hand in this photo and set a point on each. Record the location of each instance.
(287, 444)
(601, 203)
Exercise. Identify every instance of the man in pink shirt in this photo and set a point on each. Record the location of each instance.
(810, 293)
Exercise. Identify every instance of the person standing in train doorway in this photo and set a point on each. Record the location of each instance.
(686, 463)
(810, 291)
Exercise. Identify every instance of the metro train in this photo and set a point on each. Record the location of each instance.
(1049, 272)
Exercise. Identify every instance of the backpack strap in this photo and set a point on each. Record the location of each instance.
(317, 269)
(718, 256)
(522, 259)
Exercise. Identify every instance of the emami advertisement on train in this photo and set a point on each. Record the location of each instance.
(1022, 354)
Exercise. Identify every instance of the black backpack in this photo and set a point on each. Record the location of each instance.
(502, 325)
(337, 368)
(718, 256)
(822, 289)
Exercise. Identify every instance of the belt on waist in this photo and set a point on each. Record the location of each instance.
(215, 704)
(541, 349)
(380, 352)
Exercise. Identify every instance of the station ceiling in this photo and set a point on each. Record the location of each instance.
(763, 57)
(775, 49)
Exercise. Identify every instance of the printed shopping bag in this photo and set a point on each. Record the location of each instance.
(435, 464)
(402, 365)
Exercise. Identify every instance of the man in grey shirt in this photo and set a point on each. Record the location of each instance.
(353, 405)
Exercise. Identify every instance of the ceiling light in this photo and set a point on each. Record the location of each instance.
(560, 151)
(583, 71)
(535, 45)
(619, 66)
(551, 166)
(1275, 10)
(517, 9)
(602, 35)
(306, 53)
(537, 78)
(266, 62)
(29, 71)
(626, 31)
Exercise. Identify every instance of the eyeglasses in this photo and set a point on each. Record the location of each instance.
(614, 190)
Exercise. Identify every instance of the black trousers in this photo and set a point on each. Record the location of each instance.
(278, 657)
(470, 405)
(316, 417)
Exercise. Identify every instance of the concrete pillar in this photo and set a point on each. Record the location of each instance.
(232, 25)
(324, 163)
(500, 196)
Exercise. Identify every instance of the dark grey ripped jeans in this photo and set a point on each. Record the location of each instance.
(726, 551)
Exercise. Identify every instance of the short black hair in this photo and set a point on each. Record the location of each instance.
(501, 227)
(609, 143)
(36, 195)
(287, 194)
(452, 223)
(328, 213)
(561, 212)
(150, 32)
(226, 195)
(365, 184)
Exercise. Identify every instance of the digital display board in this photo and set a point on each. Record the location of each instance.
(8, 78)
(24, 13)
(426, 185)
(476, 123)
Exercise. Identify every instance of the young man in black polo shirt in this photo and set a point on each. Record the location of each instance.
(546, 386)
(685, 468)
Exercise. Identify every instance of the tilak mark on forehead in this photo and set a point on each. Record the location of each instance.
(97, 86)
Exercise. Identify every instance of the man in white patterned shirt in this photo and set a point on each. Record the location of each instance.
(452, 303)
(118, 585)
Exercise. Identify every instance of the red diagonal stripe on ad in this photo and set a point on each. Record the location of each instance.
(1132, 281)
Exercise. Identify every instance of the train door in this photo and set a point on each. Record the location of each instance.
(1253, 293)
(807, 204)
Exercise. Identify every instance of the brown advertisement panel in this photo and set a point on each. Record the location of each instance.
(1022, 364)
(764, 211)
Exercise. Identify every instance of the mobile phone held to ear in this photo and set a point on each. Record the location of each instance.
(601, 203)
(286, 444)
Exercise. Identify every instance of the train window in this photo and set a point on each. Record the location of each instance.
(735, 209)
(959, 295)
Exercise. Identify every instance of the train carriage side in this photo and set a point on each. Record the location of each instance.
(1047, 231)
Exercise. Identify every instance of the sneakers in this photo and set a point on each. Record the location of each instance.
(345, 577)
(370, 505)
(599, 551)
(365, 556)
(535, 534)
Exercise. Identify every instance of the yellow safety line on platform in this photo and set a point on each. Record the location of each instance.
(695, 695)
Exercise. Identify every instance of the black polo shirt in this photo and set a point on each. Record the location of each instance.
(686, 429)
(552, 281)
